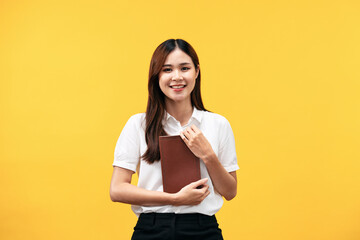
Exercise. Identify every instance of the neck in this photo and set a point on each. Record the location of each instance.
(181, 111)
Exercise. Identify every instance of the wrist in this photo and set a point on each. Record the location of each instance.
(210, 157)
(174, 199)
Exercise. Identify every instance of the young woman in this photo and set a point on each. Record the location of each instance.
(175, 108)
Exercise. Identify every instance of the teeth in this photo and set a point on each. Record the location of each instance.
(178, 86)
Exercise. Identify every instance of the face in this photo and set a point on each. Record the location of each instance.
(177, 77)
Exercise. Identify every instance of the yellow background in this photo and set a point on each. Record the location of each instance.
(284, 73)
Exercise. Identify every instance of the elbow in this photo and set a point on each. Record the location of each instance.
(229, 196)
(115, 195)
(112, 198)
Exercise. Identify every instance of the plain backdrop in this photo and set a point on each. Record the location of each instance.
(284, 73)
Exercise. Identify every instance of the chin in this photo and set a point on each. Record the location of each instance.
(178, 98)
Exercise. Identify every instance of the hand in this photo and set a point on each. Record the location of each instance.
(196, 142)
(192, 194)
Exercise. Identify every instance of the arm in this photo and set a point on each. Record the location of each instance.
(121, 190)
(224, 182)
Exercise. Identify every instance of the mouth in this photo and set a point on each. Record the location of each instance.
(178, 86)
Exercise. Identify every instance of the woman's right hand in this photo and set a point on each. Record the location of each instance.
(121, 190)
(192, 194)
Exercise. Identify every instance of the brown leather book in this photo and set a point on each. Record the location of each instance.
(179, 165)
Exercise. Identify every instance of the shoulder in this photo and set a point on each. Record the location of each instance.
(215, 118)
(137, 117)
(137, 120)
(219, 126)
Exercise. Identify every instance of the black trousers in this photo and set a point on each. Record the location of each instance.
(171, 226)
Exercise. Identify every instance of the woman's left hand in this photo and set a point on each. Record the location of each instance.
(224, 182)
(197, 142)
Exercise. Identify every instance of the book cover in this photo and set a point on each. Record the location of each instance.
(179, 165)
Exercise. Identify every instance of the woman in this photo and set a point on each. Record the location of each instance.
(175, 108)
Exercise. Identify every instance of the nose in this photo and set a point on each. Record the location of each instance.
(177, 75)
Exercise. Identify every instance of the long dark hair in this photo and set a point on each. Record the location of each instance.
(155, 110)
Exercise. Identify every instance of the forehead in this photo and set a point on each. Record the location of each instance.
(177, 56)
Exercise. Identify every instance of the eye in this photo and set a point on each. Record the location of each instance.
(185, 68)
(167, 70)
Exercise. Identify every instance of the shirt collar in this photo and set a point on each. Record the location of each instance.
(197, 114)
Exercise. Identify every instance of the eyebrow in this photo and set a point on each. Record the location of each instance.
(181, 64)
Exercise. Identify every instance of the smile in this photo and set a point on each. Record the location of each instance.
(178, 86)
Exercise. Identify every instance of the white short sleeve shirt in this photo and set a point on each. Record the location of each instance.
(131, 145)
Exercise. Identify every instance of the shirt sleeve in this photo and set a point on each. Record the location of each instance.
(127, 150)
(227, 150)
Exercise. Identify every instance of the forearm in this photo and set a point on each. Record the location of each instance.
(223, 181)
(128, 193)
(121, 190)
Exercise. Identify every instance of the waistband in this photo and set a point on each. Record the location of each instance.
(183, 217)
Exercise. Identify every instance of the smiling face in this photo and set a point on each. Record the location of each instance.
(178, 76)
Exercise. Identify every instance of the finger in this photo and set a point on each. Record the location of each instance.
(190, 131)
(205, 185)
(207, 194)
(186, 134)
(183, 137)
(200, 182)
(203, 181)
(195, 129)
(205, 189)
